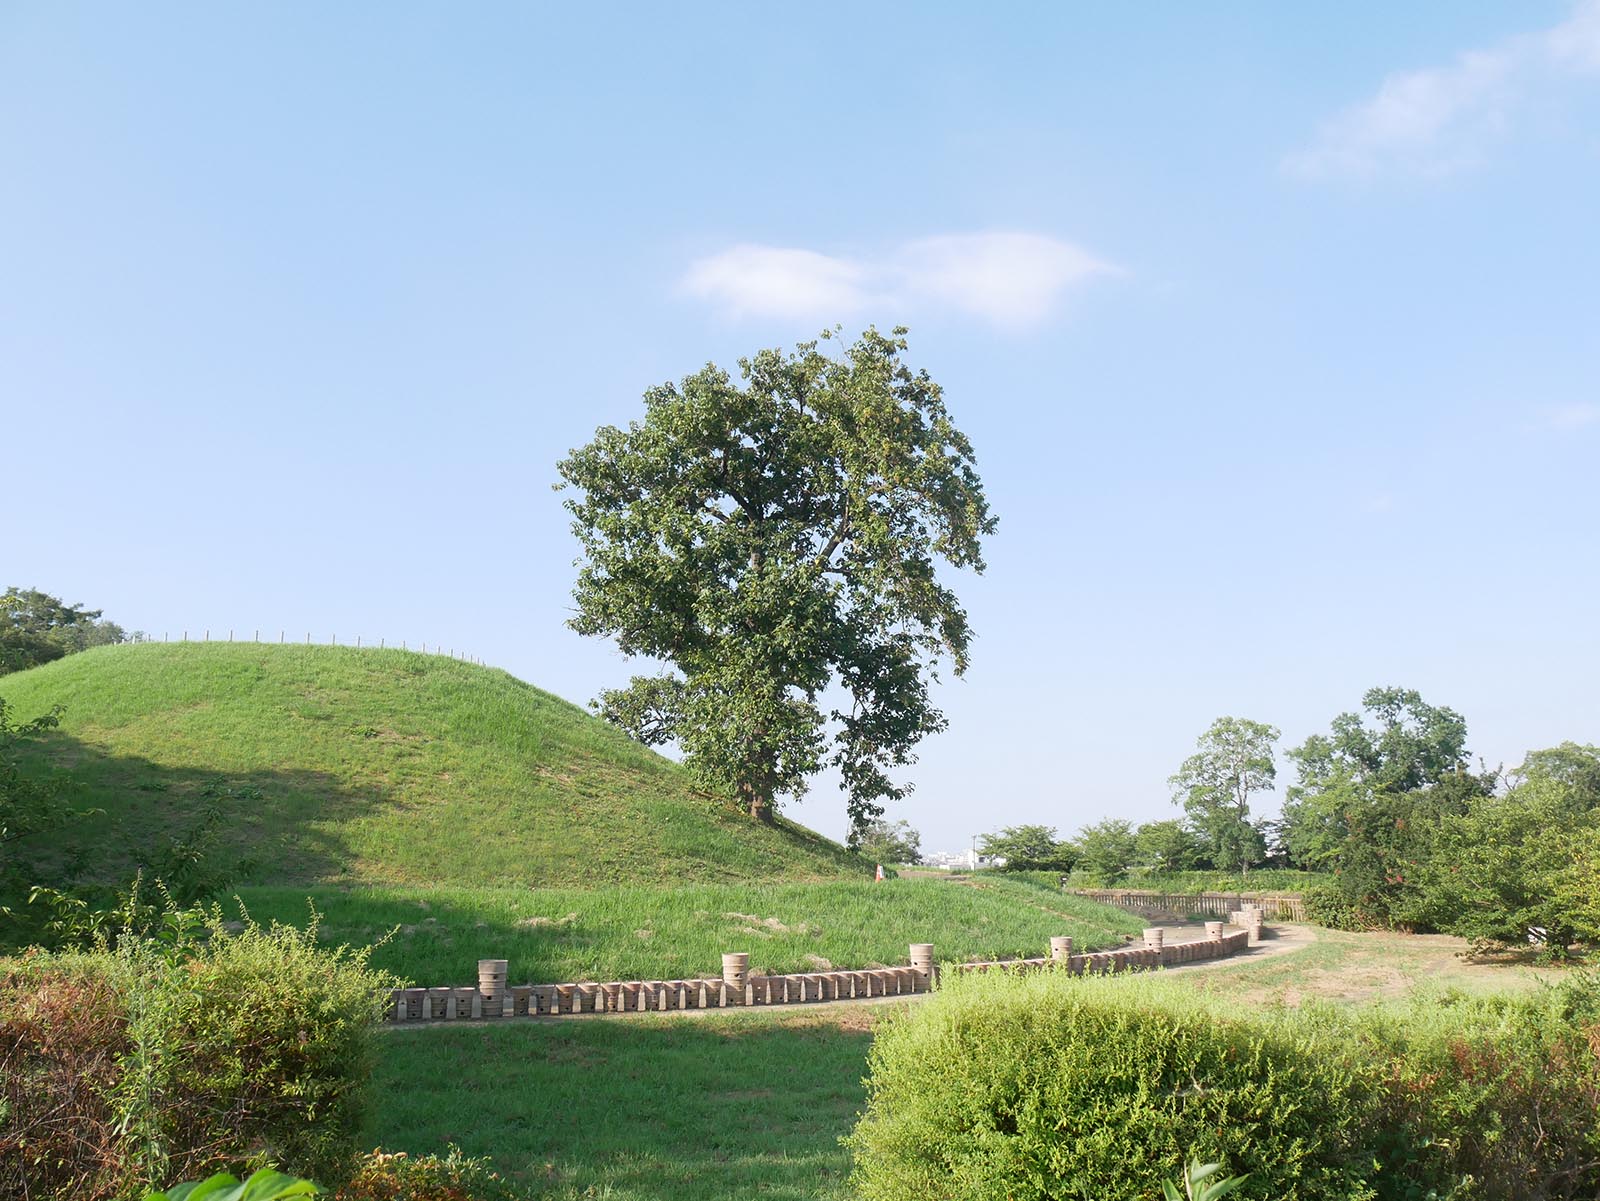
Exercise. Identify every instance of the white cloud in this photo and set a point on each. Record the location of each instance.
(1441, 119)
(1010, 279)
(777, 281)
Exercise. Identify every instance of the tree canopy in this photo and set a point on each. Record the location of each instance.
(776, 541)
(890, 842)
(1029, 848)
(36, 628)
(1215, 783)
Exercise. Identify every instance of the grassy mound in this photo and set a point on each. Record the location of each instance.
(337, 764)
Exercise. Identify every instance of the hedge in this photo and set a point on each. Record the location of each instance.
(1056, 1087)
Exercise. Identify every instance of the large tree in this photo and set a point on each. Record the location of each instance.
(1399, 745)
(776, 541)
(1214, 786)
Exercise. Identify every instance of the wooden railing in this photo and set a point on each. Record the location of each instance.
(1285, 906)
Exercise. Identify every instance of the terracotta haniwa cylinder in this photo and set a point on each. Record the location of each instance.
(1060, 948)
(735, 972)
(1214, 931)
(1154, 937)
(922, 960)
(492, 985)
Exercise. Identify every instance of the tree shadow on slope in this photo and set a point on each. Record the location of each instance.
(133, 813)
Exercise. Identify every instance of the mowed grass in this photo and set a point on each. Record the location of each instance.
(1348, 968)
(637, 1109)
(339, 764)
(626, 933)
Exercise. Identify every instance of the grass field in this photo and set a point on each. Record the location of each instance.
(652, 933)
(337, 764)
(730, 1105)
(717, 1106)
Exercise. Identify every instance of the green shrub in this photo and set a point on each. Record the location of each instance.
(396, 1176)
(1051, 1086)
(251, 1048)
(1060, 1087)
(1328, 906)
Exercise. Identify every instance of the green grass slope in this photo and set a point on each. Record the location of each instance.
(334, 764)
(437, 935)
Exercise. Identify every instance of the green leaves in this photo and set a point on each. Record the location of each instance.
(770, 537)
(1214, 785)
(1194, 1187)
(263, 1185)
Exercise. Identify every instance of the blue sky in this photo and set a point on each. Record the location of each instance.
(1277, 332)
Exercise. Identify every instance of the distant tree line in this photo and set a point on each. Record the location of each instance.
(36, 628)
(1389, 809)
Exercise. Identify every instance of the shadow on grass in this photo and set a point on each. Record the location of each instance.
(690, 1108)
(275, 822)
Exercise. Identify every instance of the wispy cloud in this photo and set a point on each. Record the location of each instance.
(1010, 279)
(1441, 119)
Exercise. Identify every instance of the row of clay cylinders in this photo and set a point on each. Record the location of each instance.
(736, 968)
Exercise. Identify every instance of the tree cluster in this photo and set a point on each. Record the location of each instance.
(36, 628)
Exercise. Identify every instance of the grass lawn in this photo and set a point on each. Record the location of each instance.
(726, 1105)
(666, 1109)
(1355, 968)
(615, 933)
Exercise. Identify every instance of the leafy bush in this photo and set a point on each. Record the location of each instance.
(383, 1176)
(250, 1048)
(63, 1037)
(1328, 906)
(1052, 1086)
(1049, 1086)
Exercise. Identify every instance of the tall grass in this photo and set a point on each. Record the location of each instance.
(654, 933)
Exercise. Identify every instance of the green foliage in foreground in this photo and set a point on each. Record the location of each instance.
(264, 1184)
(124, 1069)
(655, 933)
(332, 763)
(1056, 1087)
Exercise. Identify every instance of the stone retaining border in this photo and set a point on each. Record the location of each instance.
(494, 998)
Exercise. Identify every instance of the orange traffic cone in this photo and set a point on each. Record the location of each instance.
(879, 876)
